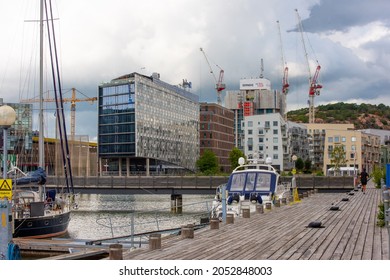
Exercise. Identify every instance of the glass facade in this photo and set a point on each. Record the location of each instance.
(142, 117)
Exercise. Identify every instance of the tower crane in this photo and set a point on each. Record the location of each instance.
(219, 85)
(72, 101)
(314, 86)
(285, 84)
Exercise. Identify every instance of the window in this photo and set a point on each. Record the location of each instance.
(276, 148)
(261, 140)
(343, 139)
(353, 139)
(337, 139)
(275, 156)
(275, 123)
(275, 131)
(250, 123)
(267, 125)
(261, 131)
(275, 140)
(330, 139)
(261, 148)
(250, 131)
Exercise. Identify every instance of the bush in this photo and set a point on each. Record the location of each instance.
(381, 215)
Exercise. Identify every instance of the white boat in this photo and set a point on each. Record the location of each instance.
(250, 185)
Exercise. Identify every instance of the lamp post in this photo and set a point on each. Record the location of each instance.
(293, 180)
(7, 118)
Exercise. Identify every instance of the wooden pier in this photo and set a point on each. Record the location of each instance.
(283, 233)
(347, 231)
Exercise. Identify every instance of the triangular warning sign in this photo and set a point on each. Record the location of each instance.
(5, 186)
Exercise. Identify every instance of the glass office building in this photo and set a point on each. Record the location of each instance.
(146, 125)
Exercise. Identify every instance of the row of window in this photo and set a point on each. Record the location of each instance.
(266, 123)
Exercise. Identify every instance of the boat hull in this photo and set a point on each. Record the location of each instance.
(42, 226)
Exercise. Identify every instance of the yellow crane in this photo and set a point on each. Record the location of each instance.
(72, 101)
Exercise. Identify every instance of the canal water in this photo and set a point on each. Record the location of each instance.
(107, 216)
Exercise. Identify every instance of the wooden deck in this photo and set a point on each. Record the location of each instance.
(282, 233)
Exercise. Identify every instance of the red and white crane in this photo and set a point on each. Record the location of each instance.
(219, 85)
(314, 86)
(285, 84)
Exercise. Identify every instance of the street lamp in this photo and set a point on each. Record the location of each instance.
(7, 118)
(293, 180)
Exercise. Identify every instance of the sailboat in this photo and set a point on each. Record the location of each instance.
(37, 211)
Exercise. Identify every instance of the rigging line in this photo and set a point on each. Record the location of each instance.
(58, 102)
(61, 98)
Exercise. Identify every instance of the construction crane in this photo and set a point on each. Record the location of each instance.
(219, 85)
(285, 84)
(72, 101)
(314, 86)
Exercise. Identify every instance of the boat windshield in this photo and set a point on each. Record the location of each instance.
(251, 182)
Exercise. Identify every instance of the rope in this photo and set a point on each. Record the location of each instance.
(13, 252)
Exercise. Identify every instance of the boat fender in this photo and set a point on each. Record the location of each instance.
(259, 199)
(253, 198)
(236, 197)
(230, 200)
(315, 225)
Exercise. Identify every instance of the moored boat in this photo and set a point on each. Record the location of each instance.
(250, 185)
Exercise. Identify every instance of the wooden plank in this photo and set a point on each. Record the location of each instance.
(282, 234)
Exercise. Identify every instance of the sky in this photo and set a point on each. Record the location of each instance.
(100, 40)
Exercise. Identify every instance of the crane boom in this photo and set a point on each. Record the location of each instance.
(314, 87)
(72, 101)
(285, 84)
(219, 85)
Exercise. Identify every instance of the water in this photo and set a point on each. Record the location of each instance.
(107, 216)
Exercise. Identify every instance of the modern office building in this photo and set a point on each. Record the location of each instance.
(146, 125)
(216, 132)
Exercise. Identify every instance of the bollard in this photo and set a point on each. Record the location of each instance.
(230, 219)
(277, 203)
(305, 194)
(300, 196)
(116, 252)
(246, 213)
(284, 200)
(187, 231)
(268, 205)
(155, 241)
(260, 208)
(214, 223)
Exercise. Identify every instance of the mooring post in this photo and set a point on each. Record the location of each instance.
(155, 241)
(116, 252)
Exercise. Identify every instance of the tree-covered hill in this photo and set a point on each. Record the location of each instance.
(363, 116)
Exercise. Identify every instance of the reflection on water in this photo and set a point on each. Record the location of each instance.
(105, 216)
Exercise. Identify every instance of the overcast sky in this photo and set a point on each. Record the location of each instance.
(101, 40)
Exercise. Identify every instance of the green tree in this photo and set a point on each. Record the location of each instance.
(299, 164)
(208, 163)
(337, 158)
(234, 155)
(308, 164)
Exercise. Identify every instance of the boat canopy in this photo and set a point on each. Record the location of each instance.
(261, 182)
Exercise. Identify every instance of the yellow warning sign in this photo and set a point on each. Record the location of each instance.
(6, 188)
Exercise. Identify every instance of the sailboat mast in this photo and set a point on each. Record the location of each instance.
(41, 135)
